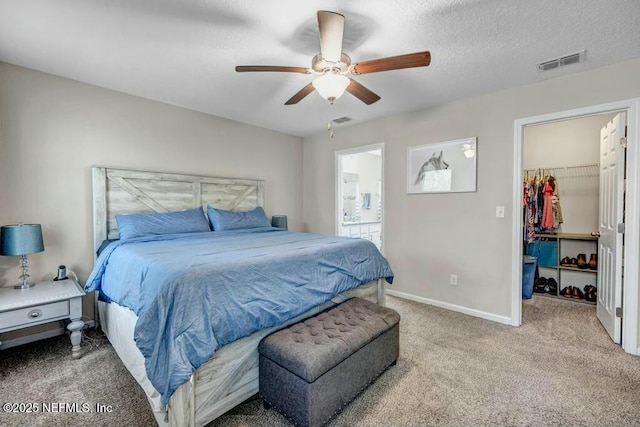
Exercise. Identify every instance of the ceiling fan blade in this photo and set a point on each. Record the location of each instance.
(301, 94)
(362, 93)
(331, 27)
(411, 60)
(245, 68)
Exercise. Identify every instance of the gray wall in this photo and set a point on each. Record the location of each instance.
(53, 129)
(428, 237)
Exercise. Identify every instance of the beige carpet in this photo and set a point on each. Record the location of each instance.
(44, 372)
(559, 368)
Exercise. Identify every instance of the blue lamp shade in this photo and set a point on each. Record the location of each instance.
(21, 239)
(279, 221)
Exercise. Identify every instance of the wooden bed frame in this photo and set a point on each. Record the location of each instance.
(231, 375)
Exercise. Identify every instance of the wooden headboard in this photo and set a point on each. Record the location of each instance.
(124, 191)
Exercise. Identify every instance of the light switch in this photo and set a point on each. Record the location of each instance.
(499, 211)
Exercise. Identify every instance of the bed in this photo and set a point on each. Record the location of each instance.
(230, 375)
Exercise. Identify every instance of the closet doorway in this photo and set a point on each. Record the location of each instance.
(580, 170)
(359, 193)
(561, 207)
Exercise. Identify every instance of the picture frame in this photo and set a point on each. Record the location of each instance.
(444, 167)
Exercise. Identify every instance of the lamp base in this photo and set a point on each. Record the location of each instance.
(24, 285)
(24, 277)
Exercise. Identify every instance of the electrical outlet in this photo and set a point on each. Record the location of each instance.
(453, 280)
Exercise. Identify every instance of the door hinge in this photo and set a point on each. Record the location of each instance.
(621, 227)
(623, 142)
(618, 311)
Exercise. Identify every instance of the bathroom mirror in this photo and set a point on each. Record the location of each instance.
(350, 198)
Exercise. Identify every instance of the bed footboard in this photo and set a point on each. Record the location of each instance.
(231, 375)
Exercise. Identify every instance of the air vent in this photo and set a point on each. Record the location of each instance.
(572, 58)
(342, 120)
(548, 65)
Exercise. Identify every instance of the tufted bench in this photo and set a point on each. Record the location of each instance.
(312, 369)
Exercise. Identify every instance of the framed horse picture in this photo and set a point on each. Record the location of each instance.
(444, 167)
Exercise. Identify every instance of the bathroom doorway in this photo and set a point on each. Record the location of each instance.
(359, 193)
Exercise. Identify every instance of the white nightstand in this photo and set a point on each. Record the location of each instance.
(43, 303)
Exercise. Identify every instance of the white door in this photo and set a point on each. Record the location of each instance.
(612, 163)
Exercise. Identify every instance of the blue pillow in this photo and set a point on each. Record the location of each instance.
(138, 225)
(222, 220)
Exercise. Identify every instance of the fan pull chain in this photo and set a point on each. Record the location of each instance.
(329, 130)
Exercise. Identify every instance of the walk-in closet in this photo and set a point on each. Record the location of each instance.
(561, 206)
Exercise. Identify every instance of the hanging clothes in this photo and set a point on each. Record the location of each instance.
(529, 202)
(557, 209)
(539, 203)
(541, 208)
(531, 236)
(547, 212)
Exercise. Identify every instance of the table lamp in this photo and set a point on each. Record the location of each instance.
(21, 239)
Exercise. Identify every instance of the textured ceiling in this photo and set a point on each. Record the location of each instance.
(184, 52)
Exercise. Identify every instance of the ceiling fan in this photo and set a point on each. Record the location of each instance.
(332, 66)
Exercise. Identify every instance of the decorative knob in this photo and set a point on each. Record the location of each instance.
(34, 314)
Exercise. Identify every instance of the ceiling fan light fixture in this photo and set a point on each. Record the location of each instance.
(332, 65)
(331, 86)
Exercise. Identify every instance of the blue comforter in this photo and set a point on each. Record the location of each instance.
(195, 292)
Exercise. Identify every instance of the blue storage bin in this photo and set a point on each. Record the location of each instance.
(529, 264)
(546, 251)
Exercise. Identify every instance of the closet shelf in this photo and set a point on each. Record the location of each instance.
(586, 169)
(581, 270)
(563, 274)
(561, 298)
(568, 236)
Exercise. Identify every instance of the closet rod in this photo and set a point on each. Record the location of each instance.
(585, 165)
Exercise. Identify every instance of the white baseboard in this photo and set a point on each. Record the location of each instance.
(40, 336)
(465, 310)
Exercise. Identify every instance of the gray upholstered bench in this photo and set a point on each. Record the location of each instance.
(311, 370)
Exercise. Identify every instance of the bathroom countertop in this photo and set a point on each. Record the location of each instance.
(360, 222)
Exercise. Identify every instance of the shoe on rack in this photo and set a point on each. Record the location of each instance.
(593, 262)
(567, 292)
(576, 293)
(573, 262)
(590, 293)
(565, 261)
(582, 261)
(553, 286)
(540, 285)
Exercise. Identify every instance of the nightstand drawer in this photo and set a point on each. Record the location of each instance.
(36, 314)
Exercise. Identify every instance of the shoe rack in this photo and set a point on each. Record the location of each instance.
(578, 275)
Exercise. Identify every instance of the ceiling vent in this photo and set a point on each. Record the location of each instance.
(342, 120)
(572, 58)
